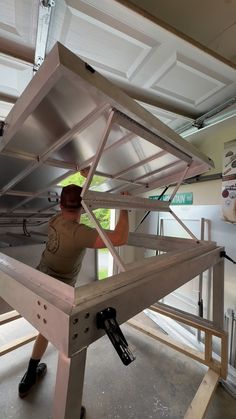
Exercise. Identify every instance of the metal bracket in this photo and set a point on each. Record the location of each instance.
(44, 18)
(53, 197)
(26, 232)
(48, 3)
(198, 123)
(38, 63)
(106, 319)
(89, 68)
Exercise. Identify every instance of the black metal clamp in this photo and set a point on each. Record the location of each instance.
(89, 68)
(224, 255)
(2, 124)
(106, 319)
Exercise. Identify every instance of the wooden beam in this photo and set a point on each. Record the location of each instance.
(164, 243)
(9, 316)
(180, 347)
(161, 337)
(107, 200)
(17, 343)
(190, 319)
(200, 402)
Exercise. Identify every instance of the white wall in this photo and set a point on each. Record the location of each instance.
(207, 203)
(210, 140)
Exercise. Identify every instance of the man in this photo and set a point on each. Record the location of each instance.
(62, 259)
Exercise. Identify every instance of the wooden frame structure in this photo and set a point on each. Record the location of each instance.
(153, 156)
(216, 368)
(67, 317)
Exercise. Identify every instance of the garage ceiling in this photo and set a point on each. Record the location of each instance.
(209, 22)
(176, 80)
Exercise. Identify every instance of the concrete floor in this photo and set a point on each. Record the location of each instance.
(159, 384)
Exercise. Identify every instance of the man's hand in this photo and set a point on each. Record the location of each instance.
(125, 193)
(84, 172)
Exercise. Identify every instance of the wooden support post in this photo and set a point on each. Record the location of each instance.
(224, 355)
(69, 386)
(203, 396)
(208, 347)
(218, 294)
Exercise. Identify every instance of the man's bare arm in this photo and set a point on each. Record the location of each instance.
(119, 235)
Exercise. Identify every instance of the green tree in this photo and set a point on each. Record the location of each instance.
(103, 215)
(79, 180)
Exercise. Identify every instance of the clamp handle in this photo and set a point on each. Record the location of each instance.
(106, 319)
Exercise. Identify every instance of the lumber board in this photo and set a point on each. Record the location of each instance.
(200, 402)
(17, 343)
(9, 316)
(161, 337)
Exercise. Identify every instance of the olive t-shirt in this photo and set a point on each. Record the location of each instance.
(65, 248)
